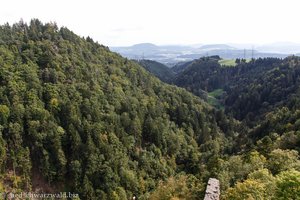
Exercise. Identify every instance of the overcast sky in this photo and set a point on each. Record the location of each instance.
(127, 22)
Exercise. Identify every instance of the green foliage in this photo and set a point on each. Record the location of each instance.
(264, 95)
(281, 160)
(160, 70)
(91, 121)
(4, 114)
(97, 124)
(248, 190)
(202, 74)
(288, 185)
(262, 184)
(3, 153)
(179, 187)
(250, 88)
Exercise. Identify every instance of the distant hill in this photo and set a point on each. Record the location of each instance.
(144, 47)
(172, 54)
(200, 74)
(158, 69)
(264, 94)
(179, 67)
(167, 54)
(137, 51)
(275, 79)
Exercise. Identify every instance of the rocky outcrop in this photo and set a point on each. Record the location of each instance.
(212, 190)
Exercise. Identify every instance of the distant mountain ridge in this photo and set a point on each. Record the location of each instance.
(172, 54)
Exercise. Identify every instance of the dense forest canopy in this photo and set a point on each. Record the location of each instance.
(75, 116)
(250, 89)
(160, 70)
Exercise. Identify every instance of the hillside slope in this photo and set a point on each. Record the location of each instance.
(89, 120)
(250, 89)
(160, 70)
(265, 95)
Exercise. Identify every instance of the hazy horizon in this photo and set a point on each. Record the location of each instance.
(249, 45)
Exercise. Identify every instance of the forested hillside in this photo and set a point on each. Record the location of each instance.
(264, 95)
(91, 121)
(76, 117)
(250, 89)
(160, 70)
